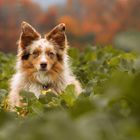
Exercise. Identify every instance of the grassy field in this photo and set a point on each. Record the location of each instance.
(108, 109)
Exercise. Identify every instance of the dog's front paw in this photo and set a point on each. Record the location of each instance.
(15, 101)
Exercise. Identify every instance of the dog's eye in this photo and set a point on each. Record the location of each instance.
(35, 53)
(51, 54)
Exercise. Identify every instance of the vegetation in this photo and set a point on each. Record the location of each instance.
(108, 108)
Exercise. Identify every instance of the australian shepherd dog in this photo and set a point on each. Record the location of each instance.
(42, 63)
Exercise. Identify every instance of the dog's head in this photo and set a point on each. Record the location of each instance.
(42, 54)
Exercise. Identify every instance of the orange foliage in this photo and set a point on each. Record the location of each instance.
(72, 24)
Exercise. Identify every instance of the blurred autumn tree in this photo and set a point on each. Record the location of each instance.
(104, 18)
(88, 21)
(11, 14)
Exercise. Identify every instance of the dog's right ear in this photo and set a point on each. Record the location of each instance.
(57, 35)
(28, 34)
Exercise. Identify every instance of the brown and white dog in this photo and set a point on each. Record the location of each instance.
(41, 63)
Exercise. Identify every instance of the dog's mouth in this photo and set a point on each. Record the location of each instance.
(43, 69)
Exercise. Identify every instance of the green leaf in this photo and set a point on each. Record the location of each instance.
(69, 95)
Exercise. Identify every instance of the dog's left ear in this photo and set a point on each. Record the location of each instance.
(58, 36)
(28, 34)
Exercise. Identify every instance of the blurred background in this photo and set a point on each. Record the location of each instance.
(100, 22)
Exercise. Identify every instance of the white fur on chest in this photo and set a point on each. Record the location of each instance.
(37, 88)
(34, 88)
(42, 77)
(22, 82)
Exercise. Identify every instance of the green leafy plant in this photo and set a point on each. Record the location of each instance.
(107, 109)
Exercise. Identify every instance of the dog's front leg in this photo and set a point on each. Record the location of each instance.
(14, 99)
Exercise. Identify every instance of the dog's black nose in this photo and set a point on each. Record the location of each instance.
(43, 65)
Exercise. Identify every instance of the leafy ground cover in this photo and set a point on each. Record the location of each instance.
(108, 108)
